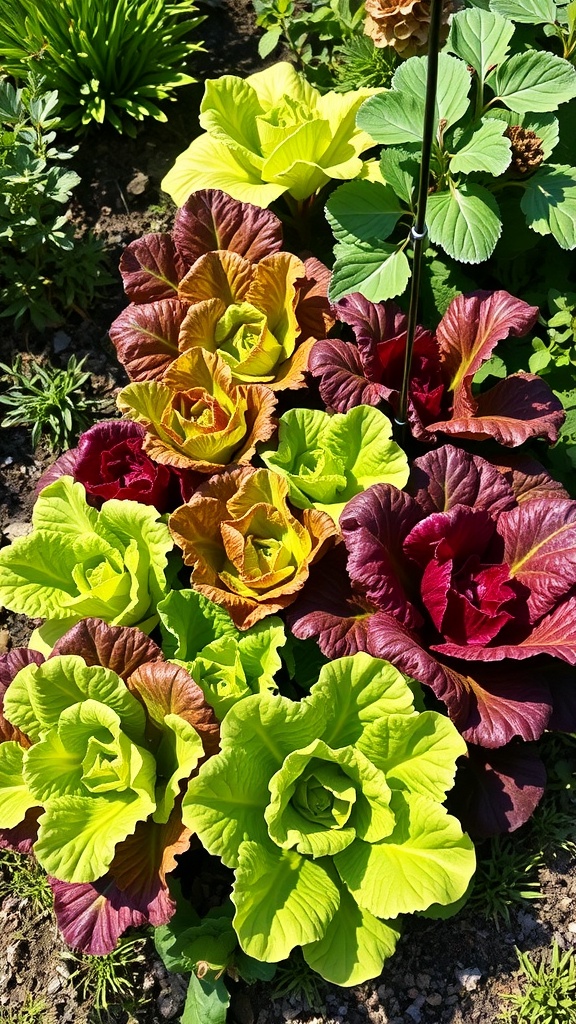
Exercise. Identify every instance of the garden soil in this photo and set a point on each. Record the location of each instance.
(452, 971)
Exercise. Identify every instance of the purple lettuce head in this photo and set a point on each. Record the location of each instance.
(110, 462)
(464, 588)
(440, 398)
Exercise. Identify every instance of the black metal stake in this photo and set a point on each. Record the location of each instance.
(419, 231)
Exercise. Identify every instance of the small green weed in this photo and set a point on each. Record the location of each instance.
(506, 876)
(550, 995)
(295, 978)
(33, 1011)
(107, 979)
(49, 400)
(24, 879)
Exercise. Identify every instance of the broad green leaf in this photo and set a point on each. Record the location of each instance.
(189, 621)
(363, 210)
(282, 900)
(401, 170)
(480, 38)
(549, 204)
(527, 12)
(465, 222)
(39, 694)
(417, 754)
(534, 81)
(226, 801)
(15, 797)
(378, 272)
(354, 947)
(62, 506)
(453, 86)
(544, 126)
(180, 747)
(353, 692)
(207, 1002)
(329, 459)
(482, 148)
(426, 860)
(392, 118)
(78, 835)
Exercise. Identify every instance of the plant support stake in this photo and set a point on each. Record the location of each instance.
(419, 230)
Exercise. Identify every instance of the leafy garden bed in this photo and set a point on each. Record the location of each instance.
(285, 685)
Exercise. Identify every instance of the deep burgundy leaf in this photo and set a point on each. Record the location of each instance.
(146, 337)
(372, 323)
(210, 219)
(64, 466)
(528, 477)
(92, 916)
(540, 548)
(375, 524)
(449, 476)
(120, 648)
(472, 327)
(516, 409)
(338, 368)
(489, 707)
(497, 791)
(151, 268)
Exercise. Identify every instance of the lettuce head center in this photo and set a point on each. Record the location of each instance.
(94, 572)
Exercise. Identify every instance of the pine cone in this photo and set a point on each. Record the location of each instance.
(404, 24)
(527, 152)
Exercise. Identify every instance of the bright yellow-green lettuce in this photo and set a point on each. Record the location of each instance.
(79, 562)
(326, 460)
(268, 134)
(330, 811)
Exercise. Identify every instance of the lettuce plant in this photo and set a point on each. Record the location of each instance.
(466, 583)
(270, 134)
(227, 665)
(100, 738)
(220, 282)
(442, 397)
(250, 553)
(330, 813)
(493, 136)
(78, 561)
(109, 463)
(196, 418)
(326, 460)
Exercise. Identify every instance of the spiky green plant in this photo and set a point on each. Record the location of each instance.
(113, 60)
(49, 400)
(549, 997)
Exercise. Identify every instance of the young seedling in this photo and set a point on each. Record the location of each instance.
(549, 996)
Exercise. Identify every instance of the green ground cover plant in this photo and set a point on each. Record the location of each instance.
(46, 271)
(111, 61)
(549, 995)
(50, 401)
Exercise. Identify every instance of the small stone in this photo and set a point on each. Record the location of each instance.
(168, 1005)
(572, 927)
(53, 986)
(61, 341)
(434, 999)
(381, 991)
(469, 978)
(17, 528)
(413, 993)
(138, 185)
(4, 640)
(414, 1013)
(8, 461)
(14, 952)
(423, 980)
(565, 903)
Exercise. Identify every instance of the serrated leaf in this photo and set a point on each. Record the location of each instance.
(465, 222)
(400, 169)
(378, 272)
(549, 204)
(391, 118)
(483, 148)
(480, 38)
(544, 126)
(527, 12)
(453, 85)
(535, 81)
(361, 210)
